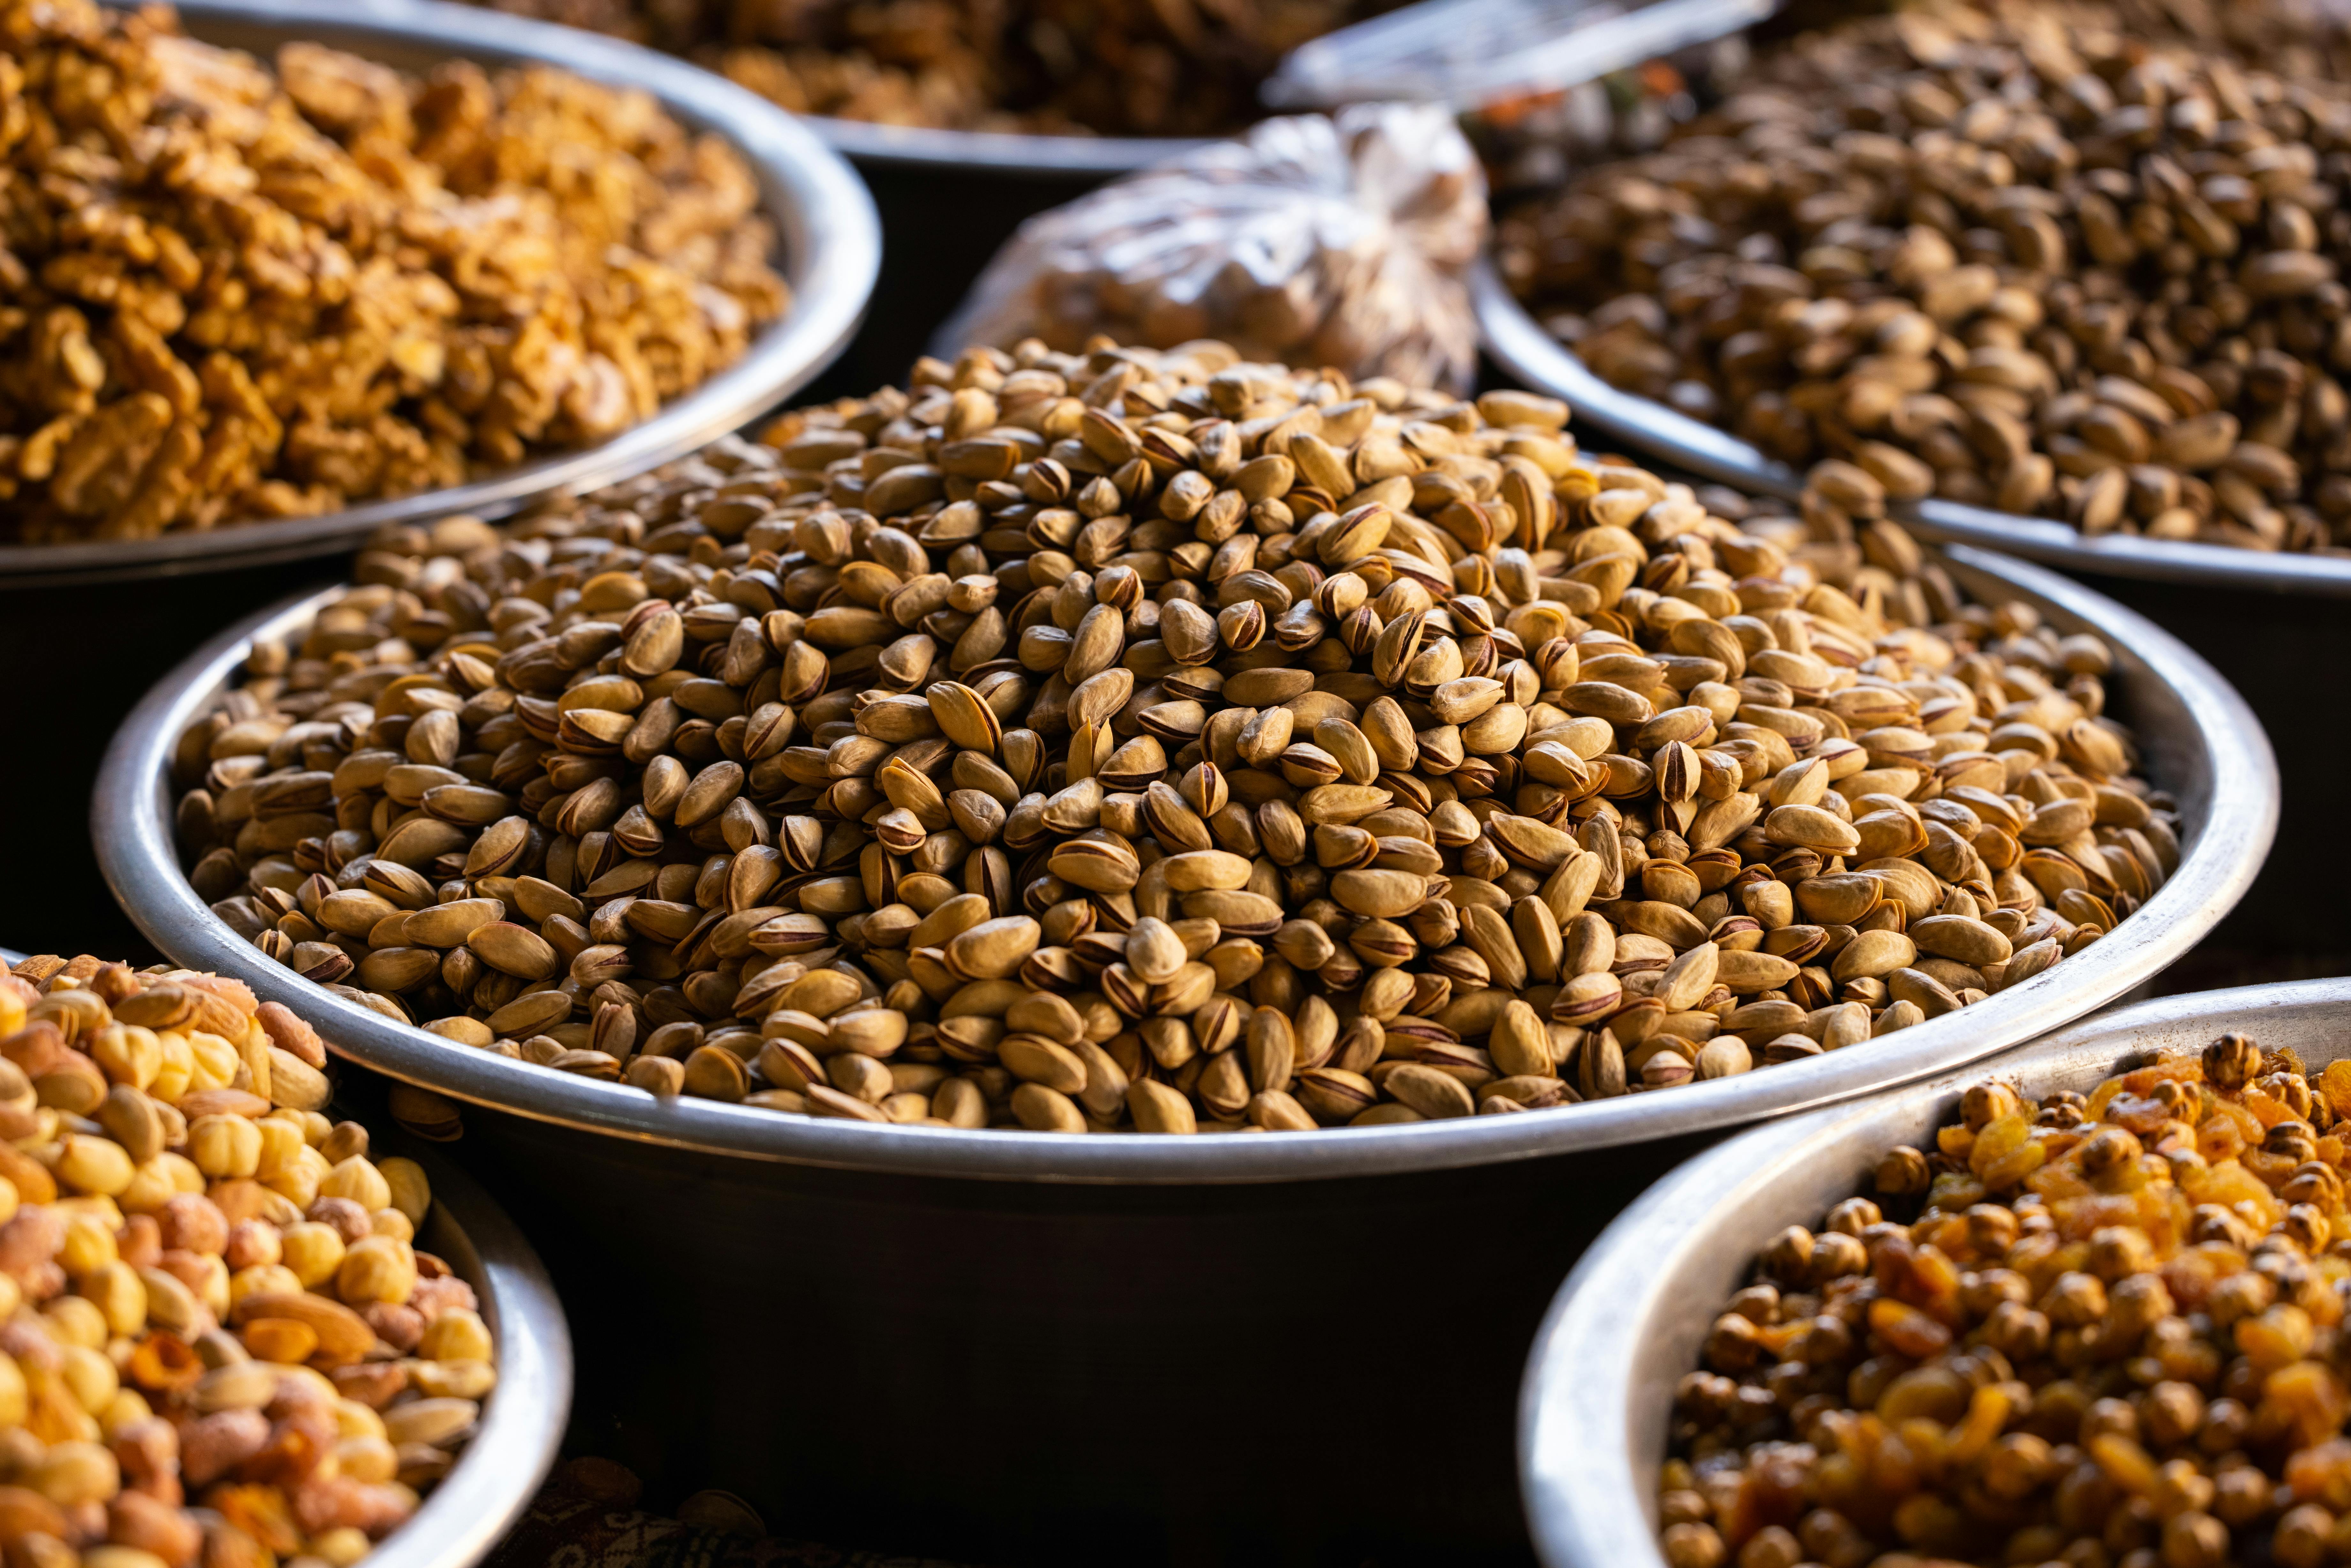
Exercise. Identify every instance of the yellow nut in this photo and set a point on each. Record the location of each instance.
(262, 1279)
(411, 1194)
(128, 1406)
(431, 1420)
(129, 1054)
(282, 1147)
(359, 1181)
(213, 1062)
(177, 1067)
(94, 1164)
(376, 1269)
(367, 1458)
(152, 1187)
(69, 1421)
(225, 1147)
(353, 1419)
(119, 1295)
(91, 1378)
(89, 1246)
(237, 1385)
(213, 1292)
(253, 1059)
(74, 1472)
(340, 1547)
(172, 1304)
(457, 1334)
(76, 1319)
(15, 1398)
(321, 1386)
(312, 1251)
(454, 1379)
(298, 1183)
(103, 1210)
(393, 1223)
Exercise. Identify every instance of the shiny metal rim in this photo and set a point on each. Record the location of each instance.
(500, 1469)
(2198, 732)
(1631, 1318)
(831, 238)
(1007, 153)
(1531, 354)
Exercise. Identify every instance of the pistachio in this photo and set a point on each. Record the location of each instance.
(1993, 270)
(1072, 771)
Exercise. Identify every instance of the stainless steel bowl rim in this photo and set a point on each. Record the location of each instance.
(498, 1471)
(1010, 153)
(132, 815)
(1516, 342)
(833, 243)
(1585, 1414)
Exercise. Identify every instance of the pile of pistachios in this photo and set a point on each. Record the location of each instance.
(1155, 740)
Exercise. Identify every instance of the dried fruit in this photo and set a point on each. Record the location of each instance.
(2111, 1325)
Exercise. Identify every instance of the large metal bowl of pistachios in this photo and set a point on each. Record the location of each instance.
(1519, 344)
(828, 243)
(1025, 1300)
(1630, 1323)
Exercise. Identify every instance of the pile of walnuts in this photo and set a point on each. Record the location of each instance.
(233, 293)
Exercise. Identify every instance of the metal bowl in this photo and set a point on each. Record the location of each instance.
(1631, 1317)
(1089, 158)
(1096, 1282)
(1516, 342)
(2199, 740)
(831, 243)
(500, 1468)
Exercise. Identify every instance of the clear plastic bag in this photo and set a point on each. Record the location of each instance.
(1318, 241)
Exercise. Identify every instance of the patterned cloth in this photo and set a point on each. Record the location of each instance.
(586, 1517)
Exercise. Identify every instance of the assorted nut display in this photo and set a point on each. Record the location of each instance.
(1120, 67)
(1162, 741)
(238, 291)
(2015, 255)
(221, 1343)
(2111, 1333)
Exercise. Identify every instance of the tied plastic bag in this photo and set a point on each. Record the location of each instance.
(1314, 241)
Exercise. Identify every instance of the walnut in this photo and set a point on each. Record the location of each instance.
(234, 292)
